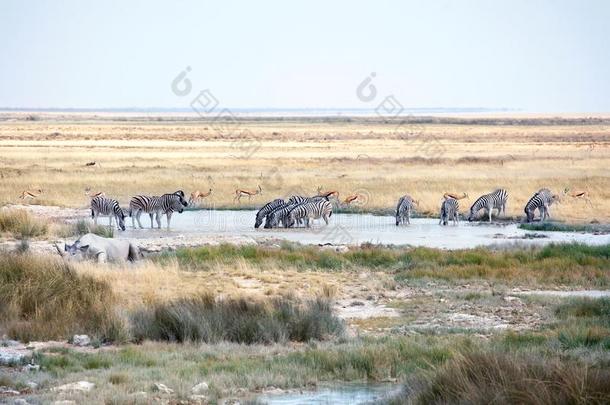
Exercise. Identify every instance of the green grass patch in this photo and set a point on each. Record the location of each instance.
(21, 224)
(561, 227)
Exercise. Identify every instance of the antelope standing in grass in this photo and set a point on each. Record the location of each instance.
(197, 196)
(239, 193)
(92, 194)
(328, 193)
(579, 194)
(351, 198)
(30, 194)
(455, 196)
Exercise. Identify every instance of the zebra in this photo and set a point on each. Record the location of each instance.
(266, 209)
(144, 203)
(311, 210)
(541, 201)
(496, 199)
(403, 209)
(450, 210)
(110, 207)
(169, 203)
(278, 215)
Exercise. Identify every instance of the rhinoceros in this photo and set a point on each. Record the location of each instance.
(92, 246)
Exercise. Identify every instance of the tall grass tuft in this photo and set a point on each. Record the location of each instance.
(44, 298)
(210, 320)
(488, 377)
(82, 227)
(21, 224)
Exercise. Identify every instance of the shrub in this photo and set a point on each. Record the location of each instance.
(483, 378)
(584, 307)
(205, 319)
(44, 298)
(82, 227)
(21, 224)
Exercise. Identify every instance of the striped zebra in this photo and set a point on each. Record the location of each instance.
(169, 203)
(450, 210)
(144, 203)
(541, 201)
(266, 209)
(494, 200)
(107, 206)
(157, 206)
(403, 209)
(319, 208)
(279, 215)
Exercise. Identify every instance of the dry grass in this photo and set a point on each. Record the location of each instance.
(353, 157)
(45, 298)
(484, 378)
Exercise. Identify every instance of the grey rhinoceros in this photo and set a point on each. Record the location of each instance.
(95, 247)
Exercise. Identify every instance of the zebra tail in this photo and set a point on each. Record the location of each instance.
(92, 213)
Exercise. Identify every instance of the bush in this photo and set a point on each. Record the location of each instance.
(44, 298)
(484, 378)
(584, 308)
(21, 224)
(205, 319)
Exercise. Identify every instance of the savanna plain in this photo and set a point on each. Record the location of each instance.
(442, 326)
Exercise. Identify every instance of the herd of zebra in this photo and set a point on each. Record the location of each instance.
(301, 210)
(152, 205)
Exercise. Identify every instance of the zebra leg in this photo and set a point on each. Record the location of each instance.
(110, 220)
(325, 217)
(169, 218)
(151, 214)
(158, 218)
(489, 210)
(95, 218)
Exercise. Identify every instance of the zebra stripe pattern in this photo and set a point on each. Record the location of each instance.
(450, 210)
(110, 207)
(147, 204)
(540, 201)
(494, 200)
(170, 203)
(278, 216)
(319, 208)
(403, 210)
(266, 209)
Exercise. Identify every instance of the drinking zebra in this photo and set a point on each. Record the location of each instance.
(311, 210)
(279, 215)
(403, 209)
(110, 207)
(541, 201)
(494, 200)
(450, 210)
(266, 209)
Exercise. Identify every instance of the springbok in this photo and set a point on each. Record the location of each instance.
(328, 193)
(239, 193)
(92, 195)
(30, 194)
(197, 196)
(351, 198)
(455, 196)
(579, 194)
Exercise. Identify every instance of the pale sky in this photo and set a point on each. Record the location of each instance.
(538, 56)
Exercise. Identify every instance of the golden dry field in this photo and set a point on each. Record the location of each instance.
(368, 157)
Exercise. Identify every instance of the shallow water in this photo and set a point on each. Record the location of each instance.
(343, 394)
(354, 229)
